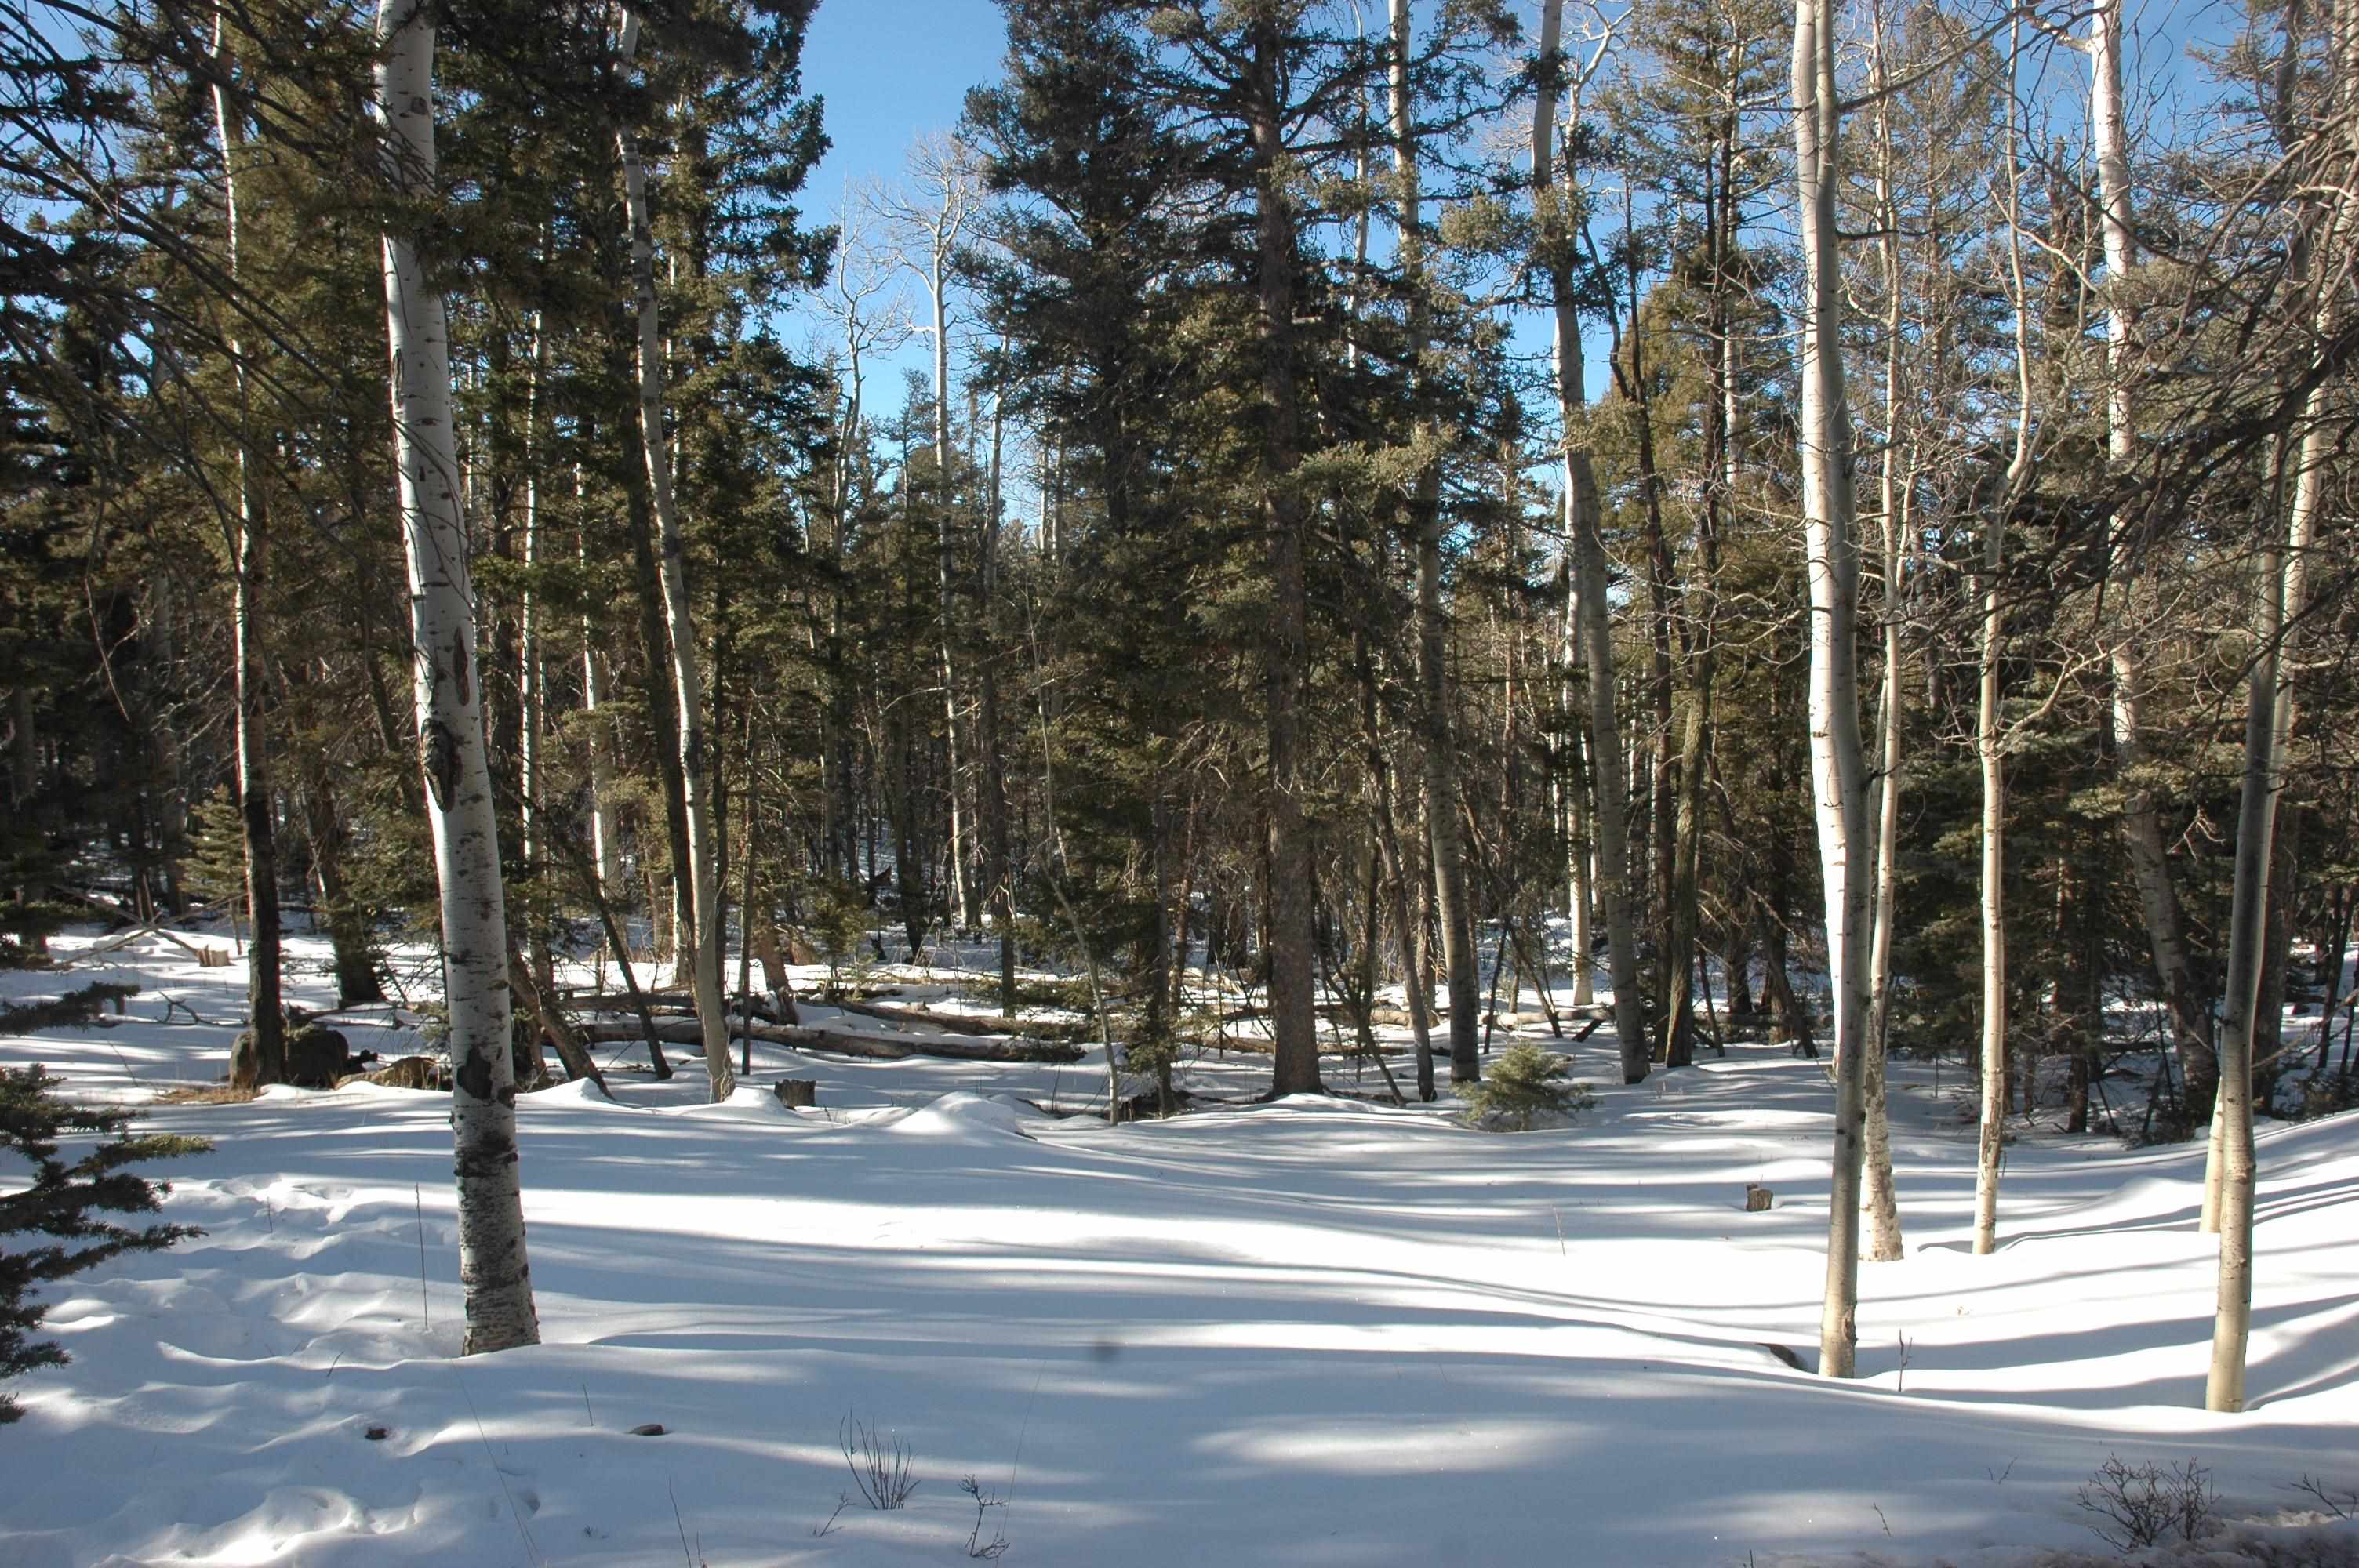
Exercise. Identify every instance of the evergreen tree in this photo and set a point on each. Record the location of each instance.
(62, 1205)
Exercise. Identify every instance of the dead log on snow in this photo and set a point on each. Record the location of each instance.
(877, 1048)
(962, 1024)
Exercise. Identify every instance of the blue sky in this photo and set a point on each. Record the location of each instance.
(889, 71)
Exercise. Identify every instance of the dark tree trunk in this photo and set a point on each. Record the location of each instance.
(1293, 960)
(349, 920)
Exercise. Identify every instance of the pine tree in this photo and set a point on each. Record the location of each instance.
(62, 1205)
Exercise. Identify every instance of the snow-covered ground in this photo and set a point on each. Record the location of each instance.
(1319, 1331)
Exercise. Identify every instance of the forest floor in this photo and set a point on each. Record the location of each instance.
(1319, 1331)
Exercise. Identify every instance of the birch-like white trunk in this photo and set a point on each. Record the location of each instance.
(1584, 507)
(531, 675)
(1838, 763)
(1987, 748)
(2234, 1160)
(605, 842)
(1884, 1241)
(2141, 820)
(679, 620)
(2268, 730)
(493, 1268)
(1990, 743)
(1580, 896)
(946, 492)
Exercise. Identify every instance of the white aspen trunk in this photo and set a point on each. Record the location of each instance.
(679, 624)
(531, 679)
(1583, 505)
(1838, 770)
(1994, 897)
(2141, 821)
(493, 1269)
(938, 281)
(839, 794)
(1884, 1241)
(2108, 130)
(999, 894)
(605, 845)
(1576, 817)
(2269, 716)
(1989, 743)
(2268, 713)
(2268, 730)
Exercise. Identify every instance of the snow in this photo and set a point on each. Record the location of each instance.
(1319, 1331)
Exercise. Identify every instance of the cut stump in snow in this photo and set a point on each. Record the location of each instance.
(1758, 1198)
(797, 1094)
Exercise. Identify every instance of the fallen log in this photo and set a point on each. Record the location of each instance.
(1246, 1044)
(878, 1047)
(593, 1000)
(670, 1004)
(150, 928)
(960, 1023)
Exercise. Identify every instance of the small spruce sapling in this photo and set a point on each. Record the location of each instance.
(62, 1204)
(1526, 1083)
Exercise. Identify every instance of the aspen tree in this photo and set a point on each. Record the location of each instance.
(1884, 1244)
(1583, 506)
(1830, 550)
(932, 227)
(1989, 746)
(493, 1269)
(2141, 818)
(2321, 257)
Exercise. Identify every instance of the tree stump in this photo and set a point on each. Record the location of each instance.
(316, 1056)
(408, 1073)
(1758, 1198)
(797, 1094)
(244, 1061)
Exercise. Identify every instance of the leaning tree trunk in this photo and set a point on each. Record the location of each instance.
(1838, 772)
(679, 622)
(1584, 504)
(493, 1268)
(257, 817)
